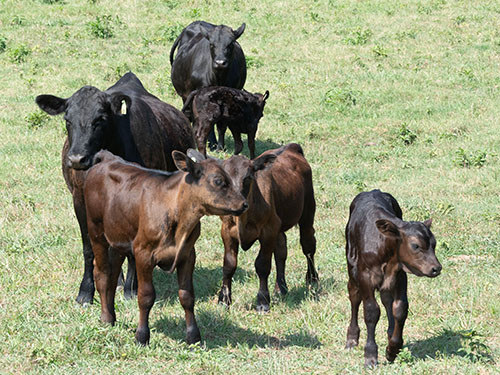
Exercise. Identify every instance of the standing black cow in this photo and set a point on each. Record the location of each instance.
(208, 55)
(147, 134)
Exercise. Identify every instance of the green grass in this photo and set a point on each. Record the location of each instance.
(398, 95)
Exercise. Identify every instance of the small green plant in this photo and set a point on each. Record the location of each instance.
(171, 4)
(340, 99)
(18, 54)
(380, 51)
(466, 159)
(36, 119)
(102, 27)
(460, 20)
(194, 13)
(407, 135)
(405, 356)
(359, 37)
(3, 43)
(253, 62)
(170, 33)
(18, 20)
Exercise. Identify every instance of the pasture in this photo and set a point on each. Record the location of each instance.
(403, 96)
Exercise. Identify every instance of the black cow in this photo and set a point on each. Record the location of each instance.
(207, 55)
(147, 134)
(380, 249)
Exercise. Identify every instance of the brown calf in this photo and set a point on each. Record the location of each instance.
(227, 107)
(380, 249)
(156, 215)
(279, 190)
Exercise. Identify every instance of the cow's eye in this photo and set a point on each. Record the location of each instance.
(219, 182)
(415, 247)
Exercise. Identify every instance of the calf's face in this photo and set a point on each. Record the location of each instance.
(222, 40)
(417, 246)
(242, 170)
(89, 120)
(213, 189)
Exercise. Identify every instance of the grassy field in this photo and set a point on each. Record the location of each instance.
(398, 95)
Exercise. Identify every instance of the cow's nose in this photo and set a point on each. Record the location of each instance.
(221, 63)
(436, 270)
(78, 161)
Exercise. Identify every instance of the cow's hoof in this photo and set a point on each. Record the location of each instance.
(351, 343)
(263, 308)
(193, 335)
(371, 362)
(142, 337)
(85, 298)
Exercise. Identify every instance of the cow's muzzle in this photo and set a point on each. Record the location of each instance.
(79, 162)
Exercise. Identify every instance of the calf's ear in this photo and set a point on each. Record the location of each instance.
(237, 33)
(116, 101)
(428, 223)
(51, 104)
(185, 164)
(263, 161)
(387, 228)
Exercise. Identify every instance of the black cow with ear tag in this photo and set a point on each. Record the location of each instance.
(146, 134)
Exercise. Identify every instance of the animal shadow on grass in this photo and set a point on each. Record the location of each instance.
(220, 331)
(207, 283)
(260, 146)
(297, 295)
(463, 343)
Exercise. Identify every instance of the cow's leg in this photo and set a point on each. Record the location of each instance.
(212, 141)
(387, 300)
(353, 330)
(308, 240)
(230, 264)
(263, 268)
(251, 144)
(221, 131)
(201, 130)
(145, 295)
(280, 255)
(400, 312)
(102, 277)
(238, 143)
(130, 286)
(87, 288)
(372, 314)
(186, 297)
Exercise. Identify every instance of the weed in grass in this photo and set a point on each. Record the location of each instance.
(18, 54)
(101, 27)
(194, 13)
(359, 37)
(3, 43)
(405, 357)
(380, 51)
(340, 99)
(171, 4)
(170, 33)
(253, 62)
(18, 20)
(460, 20)
(36, 119)
(470, 159)
(406, 135)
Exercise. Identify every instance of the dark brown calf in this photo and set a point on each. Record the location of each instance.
(279, 190)
(380, 249)
(227, 107)
(156, 215)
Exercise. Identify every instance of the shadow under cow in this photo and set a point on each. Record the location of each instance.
(219, 330)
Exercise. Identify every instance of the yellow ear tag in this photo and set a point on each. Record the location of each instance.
(123, 110)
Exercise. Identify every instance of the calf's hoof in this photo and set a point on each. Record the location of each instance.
(351, 343)
(108, 318)
(371, 362)
(225, 298)
(193, 335)
(142, 337)
(85, 297)
(262, 308)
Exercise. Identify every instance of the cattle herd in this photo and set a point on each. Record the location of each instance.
(140, 189)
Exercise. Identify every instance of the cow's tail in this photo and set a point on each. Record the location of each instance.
(174, 46)
(187, 108)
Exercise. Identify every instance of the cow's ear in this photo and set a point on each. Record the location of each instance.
(263, 161)
(387, 228)
(428, 223)
(185, 164)
(51, 104)
(116, 102)
(237, 33)
(266, 95)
